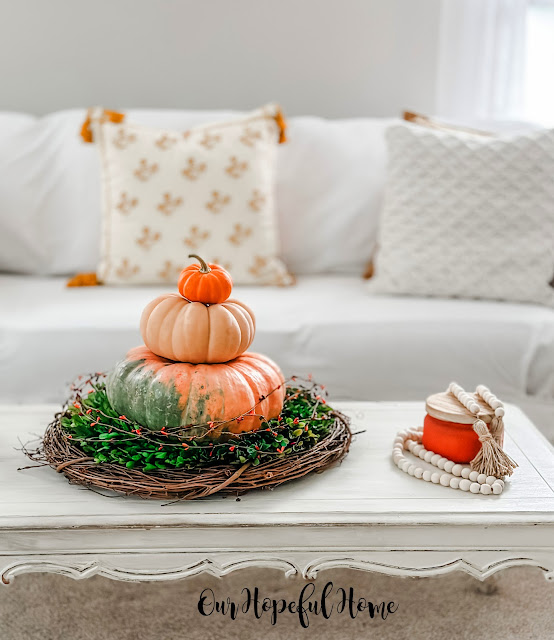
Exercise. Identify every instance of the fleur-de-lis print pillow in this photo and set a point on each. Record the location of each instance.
(208, 190)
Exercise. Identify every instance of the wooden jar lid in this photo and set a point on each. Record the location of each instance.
(445, 406)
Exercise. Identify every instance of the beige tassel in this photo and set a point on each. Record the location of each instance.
(491, 459)
(496, 428)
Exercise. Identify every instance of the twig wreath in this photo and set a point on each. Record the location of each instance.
(95, 447)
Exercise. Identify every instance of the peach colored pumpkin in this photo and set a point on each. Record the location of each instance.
(157, 392)
(185, 331)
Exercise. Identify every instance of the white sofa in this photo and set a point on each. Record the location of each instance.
(330, 187)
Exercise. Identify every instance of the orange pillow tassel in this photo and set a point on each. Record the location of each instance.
(107, 116)
(83, 280)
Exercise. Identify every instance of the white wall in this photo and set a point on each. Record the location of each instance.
(327, 57)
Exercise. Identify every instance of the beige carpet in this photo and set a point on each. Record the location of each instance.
(520, 605)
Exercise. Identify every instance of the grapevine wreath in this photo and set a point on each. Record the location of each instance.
(192, 412)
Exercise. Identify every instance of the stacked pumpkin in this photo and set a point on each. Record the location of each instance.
(193, 370)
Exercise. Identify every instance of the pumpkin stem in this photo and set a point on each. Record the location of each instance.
(203, 265)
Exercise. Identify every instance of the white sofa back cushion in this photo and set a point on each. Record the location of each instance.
(330, 179)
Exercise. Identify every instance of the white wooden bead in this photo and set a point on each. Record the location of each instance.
(455, 482)
(455, 475)
(495, 403)
(474, 408)
(499, 412)
(445, 479)
(448, 466)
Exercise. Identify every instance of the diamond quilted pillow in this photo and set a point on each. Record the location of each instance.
(208, 191)
(467, 216)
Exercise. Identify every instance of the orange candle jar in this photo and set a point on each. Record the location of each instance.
(448, 427)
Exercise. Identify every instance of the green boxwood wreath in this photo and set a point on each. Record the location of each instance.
(94, 446)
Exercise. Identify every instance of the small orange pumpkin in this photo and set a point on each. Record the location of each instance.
(185, 331)
(207, 283)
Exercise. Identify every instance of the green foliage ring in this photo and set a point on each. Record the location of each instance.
(92, 425)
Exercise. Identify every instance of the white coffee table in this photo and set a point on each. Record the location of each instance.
(364, 514)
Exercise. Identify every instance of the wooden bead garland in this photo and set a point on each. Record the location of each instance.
(456, 476)
(491, 459)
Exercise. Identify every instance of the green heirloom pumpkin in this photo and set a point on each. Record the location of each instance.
(156, 392)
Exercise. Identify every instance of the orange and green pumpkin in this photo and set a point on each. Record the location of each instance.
(157, 392)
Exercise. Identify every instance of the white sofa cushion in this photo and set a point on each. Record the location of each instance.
(330, 184)
(330, 180)
(467, 215)
(361, 347)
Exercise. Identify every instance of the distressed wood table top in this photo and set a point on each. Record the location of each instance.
(363, 513)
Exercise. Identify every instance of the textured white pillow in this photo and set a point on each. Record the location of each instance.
(207, 190)
(468, 216)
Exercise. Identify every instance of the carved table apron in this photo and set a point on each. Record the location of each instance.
(363, 514)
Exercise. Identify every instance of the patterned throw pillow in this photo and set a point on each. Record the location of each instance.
(468, 216)
(209, 190)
